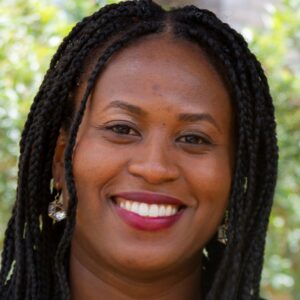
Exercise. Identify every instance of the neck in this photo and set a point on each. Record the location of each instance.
(88, 282)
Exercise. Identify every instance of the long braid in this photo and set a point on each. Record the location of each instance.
(231, 272)
(142, 29)
(244, 60)
(32, 135)
(201, 36)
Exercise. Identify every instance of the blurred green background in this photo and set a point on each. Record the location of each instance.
(30, 32)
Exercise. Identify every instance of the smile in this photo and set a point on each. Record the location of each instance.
(147, 210)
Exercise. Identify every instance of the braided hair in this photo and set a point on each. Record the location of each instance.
(36, 252)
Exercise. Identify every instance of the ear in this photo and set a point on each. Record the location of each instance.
(58, 171)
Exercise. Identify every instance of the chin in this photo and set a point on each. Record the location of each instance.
(146, 268)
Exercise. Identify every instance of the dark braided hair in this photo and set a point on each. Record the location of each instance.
(36, 252)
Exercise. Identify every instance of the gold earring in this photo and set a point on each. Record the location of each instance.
(222, 231)
(56, 210)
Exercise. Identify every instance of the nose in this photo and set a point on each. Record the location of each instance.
(154, 163)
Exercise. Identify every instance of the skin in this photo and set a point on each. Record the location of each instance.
(192, 161)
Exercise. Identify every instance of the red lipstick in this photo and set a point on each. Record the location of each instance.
(150, 198)
(148, 223)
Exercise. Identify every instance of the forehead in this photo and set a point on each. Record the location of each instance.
(166, 52)
(161, 63)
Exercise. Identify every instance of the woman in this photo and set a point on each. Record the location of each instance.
(148, 164)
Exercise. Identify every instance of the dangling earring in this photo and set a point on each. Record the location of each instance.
(222, 230)
(56, 210)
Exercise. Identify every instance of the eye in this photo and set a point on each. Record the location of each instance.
(121, 129)
(194, 139)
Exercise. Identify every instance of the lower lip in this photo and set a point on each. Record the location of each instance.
(147, 223)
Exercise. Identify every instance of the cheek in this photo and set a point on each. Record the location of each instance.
(95, 163)
(97, 168)
(212, 175)
(210, 181)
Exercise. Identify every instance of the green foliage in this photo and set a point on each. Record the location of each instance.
(278, 47)
(30, 32)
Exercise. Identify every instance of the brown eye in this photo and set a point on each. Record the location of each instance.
(121, 129)
(194, 139)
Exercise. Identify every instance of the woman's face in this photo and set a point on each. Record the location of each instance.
(159, 121)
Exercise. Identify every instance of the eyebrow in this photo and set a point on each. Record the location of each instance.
(194, 117)
(126, 106)
(185, 117)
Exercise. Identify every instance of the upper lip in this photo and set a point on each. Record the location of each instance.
(150, 198)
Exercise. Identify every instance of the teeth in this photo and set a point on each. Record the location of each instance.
(127, 205)
(135, 207)
(148, 210)
(169, 210)
(162, 210)
(143, 209)
(153, 211)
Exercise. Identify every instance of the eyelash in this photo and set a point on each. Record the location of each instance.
(205, 141)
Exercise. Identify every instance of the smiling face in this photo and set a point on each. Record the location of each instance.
(159, 121)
